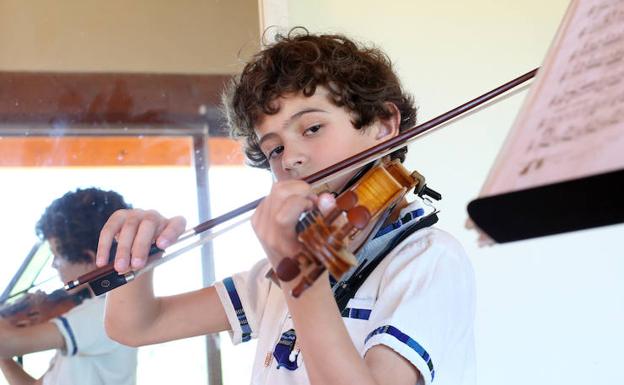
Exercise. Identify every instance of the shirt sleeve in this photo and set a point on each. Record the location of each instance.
(82, 329)
(425, 304)
(244, 297)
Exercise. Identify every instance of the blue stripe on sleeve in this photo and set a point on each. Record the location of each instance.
(70, 332)
(396, 333)
(238, 308)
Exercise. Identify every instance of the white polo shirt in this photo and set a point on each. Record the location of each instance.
(419, 301)
(91, 358)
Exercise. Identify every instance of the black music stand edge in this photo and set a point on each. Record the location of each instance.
(579, 204)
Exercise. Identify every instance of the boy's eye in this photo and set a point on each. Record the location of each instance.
(275, 152)
(312, 129)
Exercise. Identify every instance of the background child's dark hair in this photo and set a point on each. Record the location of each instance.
(359, 78)
(76, 219)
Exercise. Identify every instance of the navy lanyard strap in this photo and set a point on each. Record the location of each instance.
(347, 289)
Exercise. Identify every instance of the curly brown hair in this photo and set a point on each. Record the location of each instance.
(76, 219)
(359, 78)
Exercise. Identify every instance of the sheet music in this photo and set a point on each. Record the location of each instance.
(572, 123)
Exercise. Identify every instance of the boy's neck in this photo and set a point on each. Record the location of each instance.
(395, 214)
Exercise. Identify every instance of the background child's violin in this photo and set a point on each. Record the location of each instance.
(40, 307)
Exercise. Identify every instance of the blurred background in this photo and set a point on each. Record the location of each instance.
(124, 95)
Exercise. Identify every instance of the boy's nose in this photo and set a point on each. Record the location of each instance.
(293, 161)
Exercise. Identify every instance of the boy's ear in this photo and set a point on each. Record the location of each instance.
(91, 254)
(389, 127)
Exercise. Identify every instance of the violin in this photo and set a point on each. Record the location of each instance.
(324, 239)
(33, 309)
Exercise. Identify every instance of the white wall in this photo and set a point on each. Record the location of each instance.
(549, 310)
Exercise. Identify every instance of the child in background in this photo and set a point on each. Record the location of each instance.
(85, 355)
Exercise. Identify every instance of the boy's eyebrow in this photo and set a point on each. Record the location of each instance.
(289, 121)
(298, 114)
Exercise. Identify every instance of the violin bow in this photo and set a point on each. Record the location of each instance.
(106, 278)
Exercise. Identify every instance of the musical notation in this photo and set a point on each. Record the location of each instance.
(572, 123)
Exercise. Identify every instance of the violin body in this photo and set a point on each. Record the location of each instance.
(325, 239)
(36, 308)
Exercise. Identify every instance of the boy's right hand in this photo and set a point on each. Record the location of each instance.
(135, 231)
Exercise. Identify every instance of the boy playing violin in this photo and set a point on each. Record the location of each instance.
(302, 104)
(85, 355)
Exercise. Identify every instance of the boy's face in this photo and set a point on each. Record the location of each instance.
(309, 134)
(67, 271)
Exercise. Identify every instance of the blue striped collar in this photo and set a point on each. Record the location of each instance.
(405, 218)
